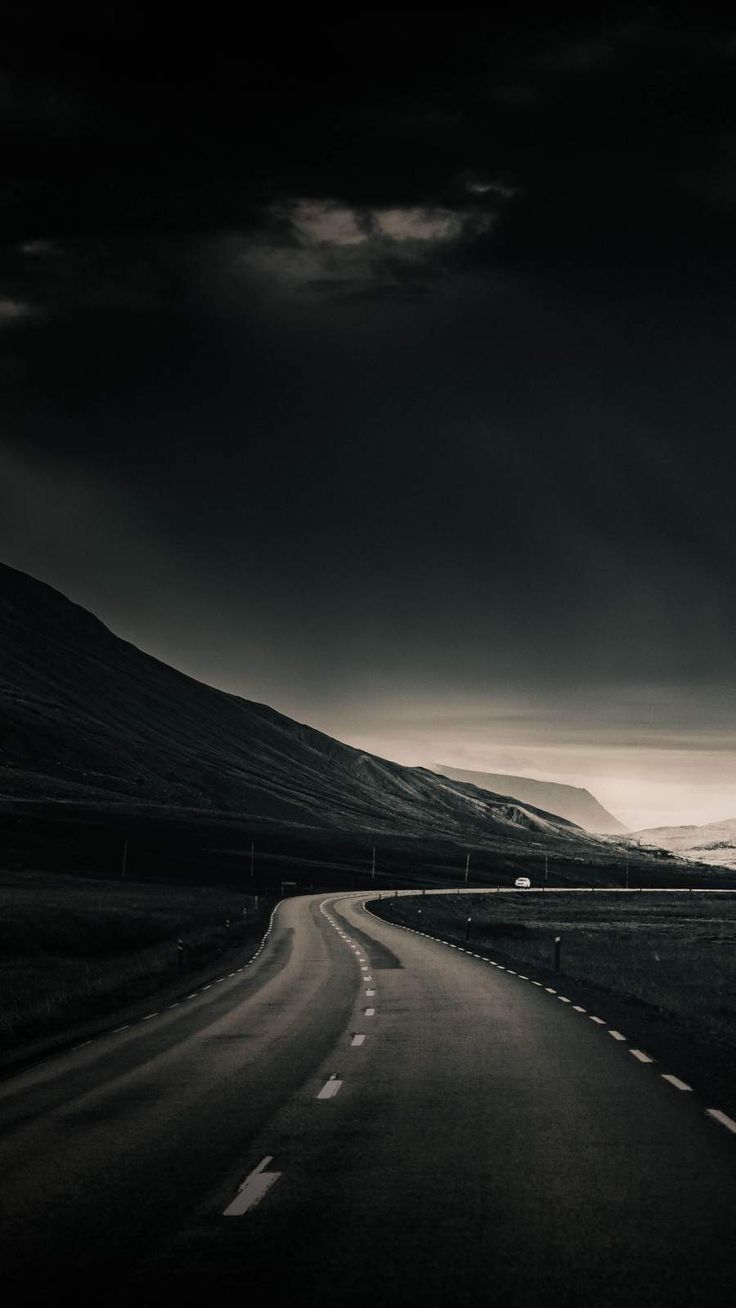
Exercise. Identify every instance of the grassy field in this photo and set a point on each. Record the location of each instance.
(74, 948)
(675, 952)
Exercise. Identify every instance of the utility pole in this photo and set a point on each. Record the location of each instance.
(373, 864)
(125, 860)
(252, 856)
(546, 868)
(467, 866)
(627, 874)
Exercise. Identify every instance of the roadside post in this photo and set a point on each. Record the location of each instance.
(557, 953)
(180, 955)
(467, 930)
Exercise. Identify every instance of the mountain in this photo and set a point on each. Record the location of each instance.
(88, 720)
(715, 842)
(571, 802)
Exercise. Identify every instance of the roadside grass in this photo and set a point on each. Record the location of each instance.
(73, 948)
(675, 952)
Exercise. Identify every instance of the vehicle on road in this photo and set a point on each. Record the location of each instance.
(523, 883)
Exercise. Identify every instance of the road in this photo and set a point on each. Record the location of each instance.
(483, 1142)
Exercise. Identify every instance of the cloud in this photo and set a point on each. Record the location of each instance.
(323, 222)
(324, 249)
(418, 224)
(14, 311)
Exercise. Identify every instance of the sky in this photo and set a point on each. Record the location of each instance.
(381, 368)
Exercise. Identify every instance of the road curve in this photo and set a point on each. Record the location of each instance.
(363, 1116)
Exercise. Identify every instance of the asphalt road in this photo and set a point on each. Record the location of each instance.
(484, 1142)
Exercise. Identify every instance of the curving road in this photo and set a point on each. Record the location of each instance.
(363, 1116)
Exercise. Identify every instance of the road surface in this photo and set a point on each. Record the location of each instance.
(363, 1116)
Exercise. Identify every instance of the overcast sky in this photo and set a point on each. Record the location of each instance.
(382, 369)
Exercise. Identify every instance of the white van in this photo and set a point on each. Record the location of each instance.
(523, 883)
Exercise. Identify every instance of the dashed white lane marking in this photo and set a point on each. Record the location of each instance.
(82, 1044)
(718, 1116)
(675, 1081)
(521, 975)
(255, 1185)
(616, 1034)
(330, 1088)
(511, 971)
(578, 1007)
(599, 1021)
(370, 1012)
(370, 992)
(148, 1016)
(550, 991)
(193, 994)
(367, 978)
(230, 974)
(124, 1027)
(536, 983)
(209, 987)
(564, 1000)
(642, 1057)
(358, 1038)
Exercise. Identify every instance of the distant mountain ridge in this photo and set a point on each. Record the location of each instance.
(571, 802)
(714, 842)
(87, 718)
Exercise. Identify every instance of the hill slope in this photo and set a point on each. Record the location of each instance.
(87, 718)
(571, 802)
(715, 842)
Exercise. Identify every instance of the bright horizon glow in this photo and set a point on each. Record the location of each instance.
(641, 787)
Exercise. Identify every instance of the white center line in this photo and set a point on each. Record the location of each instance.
(577, 1007)
(370, 992)
(616, 1035)
(370, 1012)
(253, 1189)
(358, 1038)
(563, 1000)
(330, 1088)
(675, 1081)
(550, 991)
(642, 1057)
(718, 1116)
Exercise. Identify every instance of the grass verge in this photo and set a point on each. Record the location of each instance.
(73, 949)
